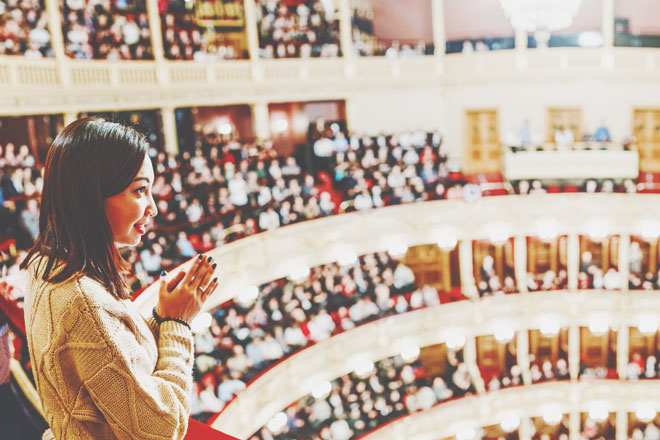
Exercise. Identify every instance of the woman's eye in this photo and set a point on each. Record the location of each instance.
(141, 190)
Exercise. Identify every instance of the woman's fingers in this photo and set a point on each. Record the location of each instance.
(210, 288)
(176, 280)
(197, 263)
(204, 277)
(163, 287)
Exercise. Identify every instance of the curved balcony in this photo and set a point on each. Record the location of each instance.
(268, 256)
(449, 419)
(51, 86)
(296, 376)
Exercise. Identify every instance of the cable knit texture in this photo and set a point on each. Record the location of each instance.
(101, 370)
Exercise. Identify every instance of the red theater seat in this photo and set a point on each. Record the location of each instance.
(200, 431)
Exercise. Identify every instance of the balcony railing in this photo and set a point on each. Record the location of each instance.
(20, 77)
(296, 376)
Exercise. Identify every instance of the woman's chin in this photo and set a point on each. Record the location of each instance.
(128, 242)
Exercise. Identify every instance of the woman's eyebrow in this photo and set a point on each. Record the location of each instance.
(141, 178)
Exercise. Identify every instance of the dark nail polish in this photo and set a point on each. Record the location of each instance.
(163, 273)
(209, 259)
(214, 265)
(200, 257)
(215, 280)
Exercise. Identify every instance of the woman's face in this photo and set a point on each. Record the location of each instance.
(130, 211)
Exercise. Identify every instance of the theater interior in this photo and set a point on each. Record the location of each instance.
(434, 219)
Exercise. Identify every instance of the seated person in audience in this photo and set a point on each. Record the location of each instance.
(602, 134)
(636, 367)
(651, 370)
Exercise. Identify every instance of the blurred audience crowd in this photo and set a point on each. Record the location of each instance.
(301, 29)
(24, 29)
(184, 39)
(355, 404)
(223, 190)
(104, 30)
(265, 325)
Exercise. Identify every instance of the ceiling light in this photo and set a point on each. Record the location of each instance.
(540, 16)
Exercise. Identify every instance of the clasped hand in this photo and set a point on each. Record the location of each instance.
(184, 295)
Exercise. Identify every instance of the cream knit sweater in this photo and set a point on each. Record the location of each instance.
(101, 370)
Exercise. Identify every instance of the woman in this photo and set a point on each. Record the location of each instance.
(101, 370)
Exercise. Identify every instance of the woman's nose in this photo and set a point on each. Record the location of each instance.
(152, 208)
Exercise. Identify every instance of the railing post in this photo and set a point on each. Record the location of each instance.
(346, 29)
(155, 30)
(574, 423)
(157, 46)
(252, 29)
(525, 430)
(622, 350)
(521, 49)
(520, 262)
(624, 261)
(439, 41)
(261, 120)
(169, 130)
(574, 351)
(467, 276)
(470, 354)
(573, 260)
(622, 425)
(57, 41)
(522, 350)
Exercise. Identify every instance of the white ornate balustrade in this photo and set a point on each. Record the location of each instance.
(296, 376)
(572, 398)
(272, 255)
(54, 86)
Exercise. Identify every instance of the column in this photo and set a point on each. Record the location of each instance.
(470, 357)
(574, 425)
(252, 29)
(525, 430)
(573, 260)
(155, 29)
(261, 120)
(57, 40)
(521, 38)
(608, 24)
(621, 425)
(346, 28)
(574, 351)
(520, 262)
(624, 261)
(522, 354)
(467, 276)
(69, 117)
(55, 28)
(350, 113)
(622, 350)
(438, 13)
(445, 263)
(169, 130)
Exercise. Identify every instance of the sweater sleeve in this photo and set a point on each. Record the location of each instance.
(153, 326)
(136, 401)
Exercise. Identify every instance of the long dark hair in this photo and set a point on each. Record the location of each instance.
(90, 160)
